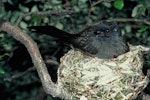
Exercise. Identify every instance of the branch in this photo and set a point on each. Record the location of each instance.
(130, 20)
(45, 13)
(48, 85)
(99, 1)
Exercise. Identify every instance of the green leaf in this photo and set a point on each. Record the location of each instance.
(56, 1)
(36, 20)
(23, 8)
(59, 25)
(83, 1)
(139, 8)
(34, 8)
(2, 70)
(107, 4)
(23, 25)
(15, 16)
(141, 31)
(77, 9)
(47, 6)
(119, 4)
(10, 2)
(143, 28)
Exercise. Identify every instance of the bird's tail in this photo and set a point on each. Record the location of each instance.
(54, 32)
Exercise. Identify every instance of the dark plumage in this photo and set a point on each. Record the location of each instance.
(103, 40)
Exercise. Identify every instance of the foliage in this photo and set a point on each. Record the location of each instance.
(118, 4)
(14, 58)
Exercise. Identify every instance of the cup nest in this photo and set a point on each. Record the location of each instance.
(91, 78)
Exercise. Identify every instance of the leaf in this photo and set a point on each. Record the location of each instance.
(23, 25)
(59, 25)
(77, 9)
(56, 1)
(10, 2)
(2, 70)
(128, 28)
(15, 16)
(119, 4)
(36, 19)
(107, 4)
(83, 1)
(34, 8)
(47, 6)
(139, 8)
(142, 28)
(23, 8)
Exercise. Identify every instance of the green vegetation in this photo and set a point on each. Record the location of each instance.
(131, 15)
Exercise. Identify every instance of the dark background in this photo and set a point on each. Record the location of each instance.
(14, 58)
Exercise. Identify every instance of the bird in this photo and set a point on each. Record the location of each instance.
(103, 40)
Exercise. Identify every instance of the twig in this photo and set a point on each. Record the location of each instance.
(1, 3)
(146, 52)
(90, 9)
(96, 3)
(41, 96)
(147, 3)
(53, 62)
(130, 20)
(45, 13)
(90, 2)
(48, 85)
(19, 74)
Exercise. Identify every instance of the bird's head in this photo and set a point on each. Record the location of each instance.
(107, 29)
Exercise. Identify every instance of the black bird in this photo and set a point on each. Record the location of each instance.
(103, 40)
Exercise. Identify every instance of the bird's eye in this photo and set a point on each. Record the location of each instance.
(107, 30)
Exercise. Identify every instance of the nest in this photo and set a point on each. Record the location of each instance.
(88, 78)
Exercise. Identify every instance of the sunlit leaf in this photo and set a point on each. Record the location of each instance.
(119, 4)
(34, 8)
(59, 25)
(139, 8)
(107, 4)
(23, 25)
